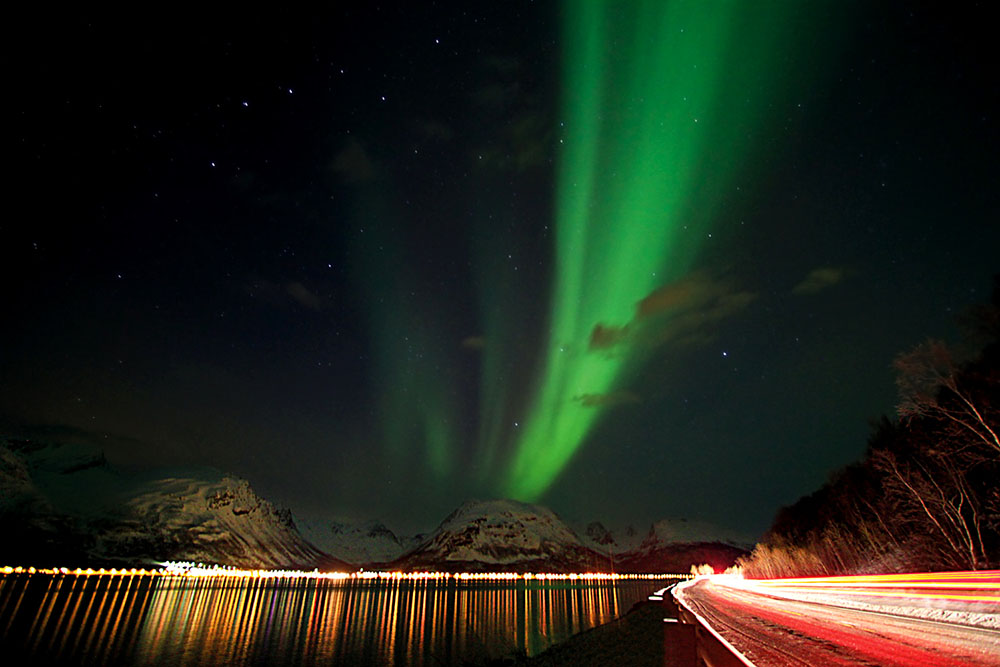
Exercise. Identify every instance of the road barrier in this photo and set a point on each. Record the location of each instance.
(688, 641)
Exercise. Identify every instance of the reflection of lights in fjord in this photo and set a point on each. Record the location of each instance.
(186, 612)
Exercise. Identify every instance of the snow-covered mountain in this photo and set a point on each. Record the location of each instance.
(682, 530)
(669, 545)
(40, 524)
(674, 545)
(209, 520)
(679, 557)
(361, 543)
(506, 535)
(502, 535)
(602, 539)
(666, 531)
(63, 504)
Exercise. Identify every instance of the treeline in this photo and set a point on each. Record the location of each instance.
(926, 495)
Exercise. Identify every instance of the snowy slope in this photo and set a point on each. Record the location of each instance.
(669, 545)
(360, 543)
(674, 545)
(209, 520)
(666, 531)
(27, 467)
(16, 487)
(683, 530)
(502, 535)
(33, 522)
(63, 504)
(602, 539)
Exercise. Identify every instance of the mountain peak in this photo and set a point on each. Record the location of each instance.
(64, 501)
(598, 534)
(673, 531)
(502, 534)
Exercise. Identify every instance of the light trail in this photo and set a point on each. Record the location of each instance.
(977, 586)
(929, 618)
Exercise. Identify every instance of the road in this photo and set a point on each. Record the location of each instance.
(771, 630)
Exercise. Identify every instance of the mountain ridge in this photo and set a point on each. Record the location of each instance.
(62, 503)
(65, 502)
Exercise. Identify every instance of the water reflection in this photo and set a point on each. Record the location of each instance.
(227, 620)
(56, 619)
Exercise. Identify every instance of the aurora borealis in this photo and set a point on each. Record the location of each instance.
(661, 102)
(385, 260)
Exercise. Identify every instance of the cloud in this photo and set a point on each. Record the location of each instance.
(434, 131)
(621, 397)
(700, 325)
(474, 342)
(284, 295)
(63, 433)
(672, 297)
(605, 337)
(352, 163)
(821, 278)
(503, 86)
(521, 135)
(497, 95)
(687, 310)
(522, 142)
(303, 296)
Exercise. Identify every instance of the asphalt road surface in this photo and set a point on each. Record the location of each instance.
(770, 630)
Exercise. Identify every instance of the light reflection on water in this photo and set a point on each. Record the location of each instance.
(216, 620)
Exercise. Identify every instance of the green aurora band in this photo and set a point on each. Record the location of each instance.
(662, 103)
(412, 367)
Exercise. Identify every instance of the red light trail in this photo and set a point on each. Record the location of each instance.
(980, 586)
(928, 618)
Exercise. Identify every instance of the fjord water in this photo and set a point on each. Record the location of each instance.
(218, 620)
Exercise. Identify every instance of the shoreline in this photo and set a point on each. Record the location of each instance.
(635, 639)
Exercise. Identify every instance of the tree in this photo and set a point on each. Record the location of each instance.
(935, 500)
(932, 386)
(926, 494)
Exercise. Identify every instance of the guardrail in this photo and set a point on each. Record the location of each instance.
(688, 641)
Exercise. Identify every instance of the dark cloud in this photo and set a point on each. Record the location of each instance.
(352, 164)
(284, 295)
(68, 434)
(303, 296)
(506, 65)
(429, 131)
(604, 337)
(497, 95)
(503, 88)
(672, 297)
(621, 397)
(687, 310)
(522, 143)
(474, 342)
(700, 324)
(520, 134)
(821, 278)
(529, 136)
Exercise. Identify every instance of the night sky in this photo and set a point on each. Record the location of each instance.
(631, 264)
